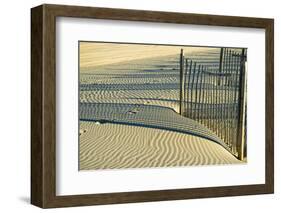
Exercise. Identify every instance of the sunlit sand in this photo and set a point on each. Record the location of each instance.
(119, 75)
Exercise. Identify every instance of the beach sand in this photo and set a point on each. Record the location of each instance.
(111, 146)
(138, 80)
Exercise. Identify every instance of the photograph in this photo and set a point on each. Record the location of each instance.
(144, 105)
(159, 105)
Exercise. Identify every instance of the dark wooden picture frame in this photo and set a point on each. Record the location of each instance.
(43, 105)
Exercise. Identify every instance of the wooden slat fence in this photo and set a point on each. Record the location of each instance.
(215, 96)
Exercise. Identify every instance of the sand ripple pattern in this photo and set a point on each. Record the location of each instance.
(128, 117)
(145, 116)
(111, 146)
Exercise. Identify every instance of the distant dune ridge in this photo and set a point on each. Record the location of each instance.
(96, 54)
(114, 75)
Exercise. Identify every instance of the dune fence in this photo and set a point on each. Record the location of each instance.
(214, 94)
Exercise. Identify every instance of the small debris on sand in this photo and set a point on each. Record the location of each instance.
(82, 131)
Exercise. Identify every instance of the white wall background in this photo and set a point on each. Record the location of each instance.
(15, 104)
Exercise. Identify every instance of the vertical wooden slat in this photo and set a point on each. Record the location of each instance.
(212, 103)
(185, 87)
(233, 113)
(229, 86)
(225, 90)
(199, 108)
(210, 100)
(191, 89)
(220, 65)
(221, 95)
(218, 97)
(186, 91)
(241, 108)
(235, 110)
(203, 111)
(197, 92)
(181, 82)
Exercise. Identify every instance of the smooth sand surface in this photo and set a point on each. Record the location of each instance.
(143, 80)
(96, 54)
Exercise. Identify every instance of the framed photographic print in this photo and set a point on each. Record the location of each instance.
(137, 106)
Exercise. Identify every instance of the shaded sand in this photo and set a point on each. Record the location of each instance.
(147, 116)
(111, 146)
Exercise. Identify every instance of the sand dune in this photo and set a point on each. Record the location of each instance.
(95, 54)
(110, 146)
(147, 116)
(135, 80)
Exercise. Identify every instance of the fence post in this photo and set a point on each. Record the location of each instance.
(186, 87)
(181, 82)
(241, 108)
(220, 66)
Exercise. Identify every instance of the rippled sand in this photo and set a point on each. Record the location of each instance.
(138, 82)
(111, 146)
